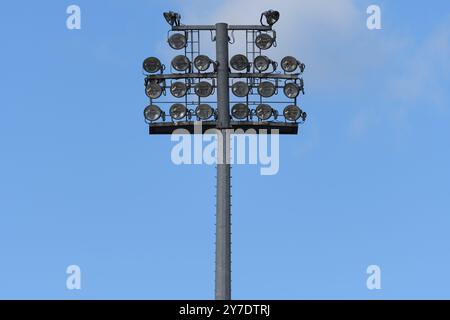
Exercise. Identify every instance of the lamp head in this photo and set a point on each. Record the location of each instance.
(271, 16)
(172, 18)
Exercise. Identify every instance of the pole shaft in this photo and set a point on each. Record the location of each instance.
(223, 206)
(223, 95)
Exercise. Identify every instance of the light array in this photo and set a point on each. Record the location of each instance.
(254, 78)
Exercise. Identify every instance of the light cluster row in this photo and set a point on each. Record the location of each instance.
(204, 89)
(267, 89)
(179, 63)
(263, 40)
(179, 89)
(238, 62)
(271, 16)
(239, 111)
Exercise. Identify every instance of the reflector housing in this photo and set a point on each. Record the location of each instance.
(202, 62)
(261, 63)
(203, 89)
(181, 63)
(264, 111)
(177, 41)
(239, 62)
(204, 111)
(292, 113)
(177, 111)
(271, 16)
(240, 111)
(152, 65)
(240, 89)
(178, 89)
(291, 90)
(289, 64)
(263, 41)
(152, 113)
(153, 90)
(266, 89)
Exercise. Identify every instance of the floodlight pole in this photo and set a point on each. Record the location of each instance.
(223, 196)
(223, 124)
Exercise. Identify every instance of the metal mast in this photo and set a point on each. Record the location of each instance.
(262, 82)
(223, 207)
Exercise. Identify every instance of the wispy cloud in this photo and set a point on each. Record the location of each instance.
(424, 76)
(317, 31)
(376, 72)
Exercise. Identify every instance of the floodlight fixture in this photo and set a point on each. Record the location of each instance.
(290, 64)
(203, 89)
(262, 63)
(152, 113)
(271, 16)
(202, 62)
(266, 89)
(239, 62)
(178, 89)
(240, 89)
(177, 41)
(264, 111)
(291, 90)
(264, 41)
(152, 65)
(204, 111)
(172, 18)
(292, 113)
(240, 111)
(181, 63)
(153, 90)
(177, 111)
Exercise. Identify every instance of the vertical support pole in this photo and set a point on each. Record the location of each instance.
(223, 197)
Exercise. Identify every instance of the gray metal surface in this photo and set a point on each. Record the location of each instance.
(223, 206)
(268, 75)
(287, 76)
(194, 127)
(213, 27)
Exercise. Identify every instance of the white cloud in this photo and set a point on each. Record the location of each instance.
(318, 32)
(424, 76)
(377, 73)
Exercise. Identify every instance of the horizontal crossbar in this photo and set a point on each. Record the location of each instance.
(213, 27)
(262, 75)
(247, 127)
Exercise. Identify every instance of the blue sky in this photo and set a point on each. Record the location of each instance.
(367, 180)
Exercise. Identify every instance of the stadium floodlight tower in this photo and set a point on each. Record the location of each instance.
(254, 82)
